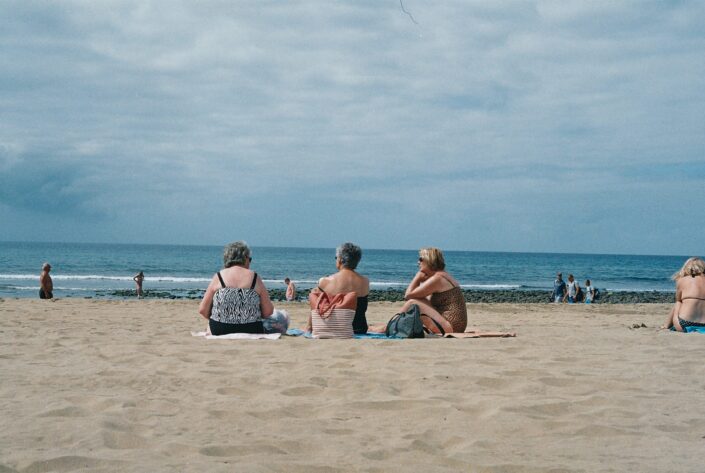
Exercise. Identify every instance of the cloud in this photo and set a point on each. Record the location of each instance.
(494, 110)
(45, 185)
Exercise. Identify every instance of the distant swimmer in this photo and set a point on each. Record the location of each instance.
(290, 289)
(46, 285)
(139, 279)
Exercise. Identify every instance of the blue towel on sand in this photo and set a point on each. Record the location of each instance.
(695, 329)
(296, 332)
(690, 329)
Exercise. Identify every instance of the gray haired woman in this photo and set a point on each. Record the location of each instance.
(347, 257)
(236, 300)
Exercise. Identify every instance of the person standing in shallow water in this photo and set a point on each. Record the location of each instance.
(46, 285)
(290, 289)
(139, 279)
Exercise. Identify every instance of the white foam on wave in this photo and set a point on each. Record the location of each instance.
(490, 286)
(281, 281)
(100, 277)
(36, 288)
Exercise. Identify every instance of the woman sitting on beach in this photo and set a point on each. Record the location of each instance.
(236, 299)
(347, 257)
(437, 294)
(689, 309)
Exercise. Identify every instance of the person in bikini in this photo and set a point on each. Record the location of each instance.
(689, 309)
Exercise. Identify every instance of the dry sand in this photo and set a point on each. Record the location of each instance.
(123, 386)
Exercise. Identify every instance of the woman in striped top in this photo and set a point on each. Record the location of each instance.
(236, 299)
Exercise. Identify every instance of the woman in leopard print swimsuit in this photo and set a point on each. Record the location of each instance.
(437, 294)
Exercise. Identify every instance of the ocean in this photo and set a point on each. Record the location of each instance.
(106, 270)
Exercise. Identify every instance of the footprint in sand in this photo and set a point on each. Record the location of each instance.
(69, 463)
(558, 382)
(377, 455)
(495, 383)
(240, 450)
(70, 411)
(117, 440)
(302, 391)
(230, 391)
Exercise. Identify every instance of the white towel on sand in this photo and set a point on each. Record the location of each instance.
(238, 336)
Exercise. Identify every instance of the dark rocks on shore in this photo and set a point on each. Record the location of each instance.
(509, 296)
(397, 295)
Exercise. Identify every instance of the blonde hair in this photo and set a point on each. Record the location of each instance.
(692, 267)
(433, 257)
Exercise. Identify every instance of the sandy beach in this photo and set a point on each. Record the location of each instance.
(123, 386)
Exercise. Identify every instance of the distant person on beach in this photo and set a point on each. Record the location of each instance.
(139, 279)
(689, 309)
(573, 287)
(559, 288)
(290, 289)
(347, 257)
(236, 300)
(437, 294)
(46, 285)
(589, 292)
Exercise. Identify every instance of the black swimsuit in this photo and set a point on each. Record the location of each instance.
(222, 328)
(688, 323)
(360, 321)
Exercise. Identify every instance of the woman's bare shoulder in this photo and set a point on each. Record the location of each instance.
(445, 276)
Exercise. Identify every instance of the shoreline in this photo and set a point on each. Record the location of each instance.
(492, 296)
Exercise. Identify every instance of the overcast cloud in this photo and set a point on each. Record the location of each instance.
(518, 126)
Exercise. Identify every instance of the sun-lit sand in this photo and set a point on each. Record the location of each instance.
(91, 385)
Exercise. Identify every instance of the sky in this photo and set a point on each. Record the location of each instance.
(533, 126)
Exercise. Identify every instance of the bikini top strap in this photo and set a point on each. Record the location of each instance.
(222, 283)
(254, 281)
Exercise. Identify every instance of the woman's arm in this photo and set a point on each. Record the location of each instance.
(422, 286)
(265, 302)
(204, 308)
(676, 309)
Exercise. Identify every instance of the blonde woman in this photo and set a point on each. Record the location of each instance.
(689, 309)
(437, 294)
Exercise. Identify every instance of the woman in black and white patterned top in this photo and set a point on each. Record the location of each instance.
(236, 299)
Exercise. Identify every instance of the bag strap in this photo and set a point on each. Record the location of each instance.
(438, 326)
(221, 279)
(394, 319)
